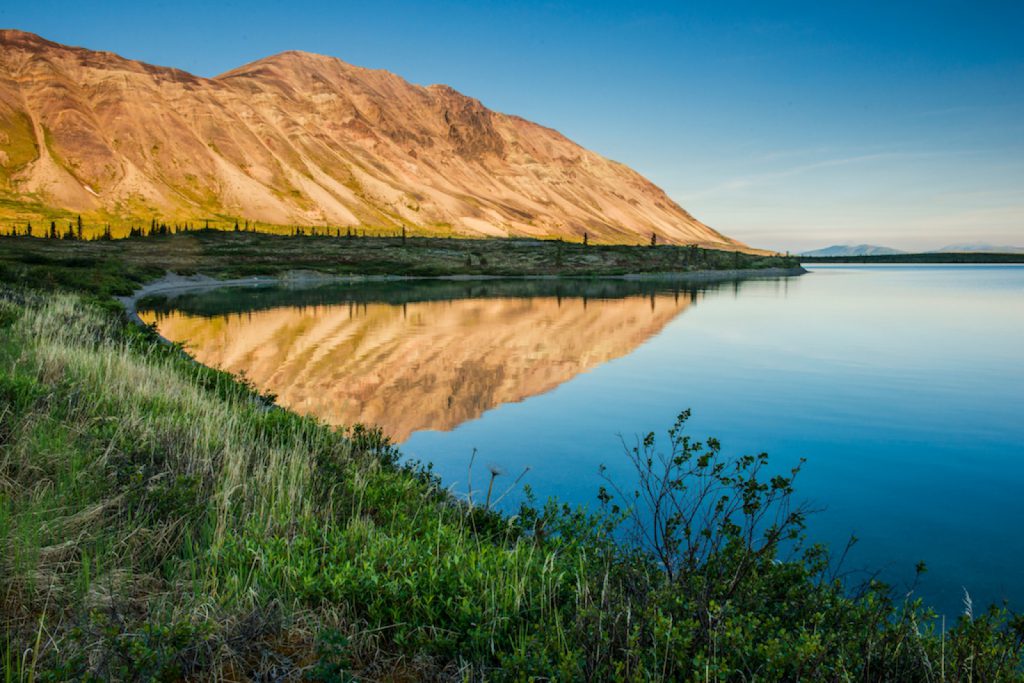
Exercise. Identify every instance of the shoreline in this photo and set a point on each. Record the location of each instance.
(310, 522)
(172, 282)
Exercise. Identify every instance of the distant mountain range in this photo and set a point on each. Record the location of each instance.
(853, 250)
(981, 248)
(875, 250)
(299, 138)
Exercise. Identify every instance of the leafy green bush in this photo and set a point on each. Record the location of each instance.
(161, 521)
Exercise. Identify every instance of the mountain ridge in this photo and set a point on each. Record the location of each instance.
(979, 247)
(840, 250)
(306, 139)
(852, 250)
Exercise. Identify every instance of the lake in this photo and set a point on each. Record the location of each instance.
(902, 386)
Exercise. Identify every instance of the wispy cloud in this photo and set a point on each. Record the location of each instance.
(779, 154)
(758, 179)
(988, 108)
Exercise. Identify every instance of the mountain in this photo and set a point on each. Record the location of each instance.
(853, 250)
(980, 248)
(347, 363)
(299, 138)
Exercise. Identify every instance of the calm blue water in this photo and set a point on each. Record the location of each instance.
(902, 386)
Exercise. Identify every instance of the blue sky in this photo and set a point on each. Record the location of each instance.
(790, 125)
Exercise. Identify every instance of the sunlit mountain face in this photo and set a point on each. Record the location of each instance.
(419, 365)
(303, 139)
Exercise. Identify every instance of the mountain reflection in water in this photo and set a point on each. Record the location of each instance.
(900, 385)
(410, 357)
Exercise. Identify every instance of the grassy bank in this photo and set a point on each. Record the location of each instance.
(159, 521)
(230, 254)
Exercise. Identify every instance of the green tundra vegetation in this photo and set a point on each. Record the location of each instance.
(227, 254)
(161, 520)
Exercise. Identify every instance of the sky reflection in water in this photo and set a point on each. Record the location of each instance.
(901, 385)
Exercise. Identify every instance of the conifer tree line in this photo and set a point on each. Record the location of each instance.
(75, 230)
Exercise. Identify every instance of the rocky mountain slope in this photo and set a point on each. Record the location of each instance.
(304, 139)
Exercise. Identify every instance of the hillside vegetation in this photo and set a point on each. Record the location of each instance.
(228, 254)
(299, 138)
(163, 521)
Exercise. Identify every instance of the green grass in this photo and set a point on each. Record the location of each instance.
(20, 209)
(160, 521)
(18, 145)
